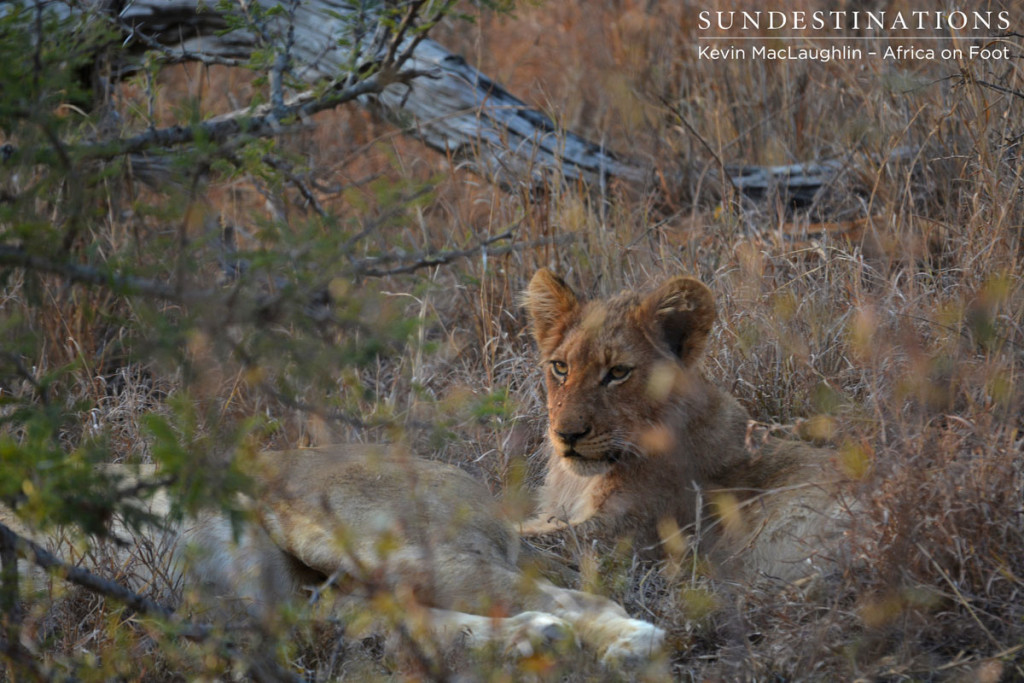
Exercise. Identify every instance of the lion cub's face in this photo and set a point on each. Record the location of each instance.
(612, 367)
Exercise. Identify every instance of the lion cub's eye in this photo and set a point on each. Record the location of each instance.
(617, 373)
(560, 368)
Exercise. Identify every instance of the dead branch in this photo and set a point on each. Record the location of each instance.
(41, 557)
(261, 667)
(80, 274)
(264, 121)
(430, 93)
(414, 262)
(457, 110)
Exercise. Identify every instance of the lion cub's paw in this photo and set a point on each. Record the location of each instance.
(529, 632)
(639, 642)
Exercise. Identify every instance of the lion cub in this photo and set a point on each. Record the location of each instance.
(640, 439)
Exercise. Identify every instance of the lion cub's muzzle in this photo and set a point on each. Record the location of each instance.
(574, 444)
(570, 438)
(583, 451)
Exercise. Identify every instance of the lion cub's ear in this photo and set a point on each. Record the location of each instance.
(681, 313)
(551, 305)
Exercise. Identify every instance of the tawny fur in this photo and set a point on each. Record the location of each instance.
(365, 517)
(638, 436)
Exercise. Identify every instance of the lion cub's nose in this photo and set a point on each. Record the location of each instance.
(570, 438)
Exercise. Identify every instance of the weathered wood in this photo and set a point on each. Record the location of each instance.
(799, 183)
(453, 108)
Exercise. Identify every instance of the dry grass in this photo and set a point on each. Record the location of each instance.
(902, 348)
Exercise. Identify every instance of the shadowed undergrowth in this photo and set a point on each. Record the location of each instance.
(898, 340)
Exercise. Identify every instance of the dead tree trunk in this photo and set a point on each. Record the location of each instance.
(451, 107)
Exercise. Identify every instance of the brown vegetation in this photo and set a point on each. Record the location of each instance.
(899, 343)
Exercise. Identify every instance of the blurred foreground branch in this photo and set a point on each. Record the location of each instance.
(12, 256)
(237, 126)
(41, 557)
(378, 266)
(261, 668)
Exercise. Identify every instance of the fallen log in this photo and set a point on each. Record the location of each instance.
(435, 97)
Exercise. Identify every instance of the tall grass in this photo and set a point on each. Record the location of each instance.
(898, 343)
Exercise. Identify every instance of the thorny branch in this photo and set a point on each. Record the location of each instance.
(459, 111)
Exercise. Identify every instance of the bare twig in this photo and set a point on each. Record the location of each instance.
(726, 178)
(144, 486)
(282, 63)
(414, 262)
(403, 27)
(960, 596)
(958, 663)
(23, 371)
(370, 226)
(43, 558)
(172, 55)
(1000, 88)
(286, 169)
(322, 413)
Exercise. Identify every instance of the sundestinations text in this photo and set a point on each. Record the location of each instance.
(856, 20)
